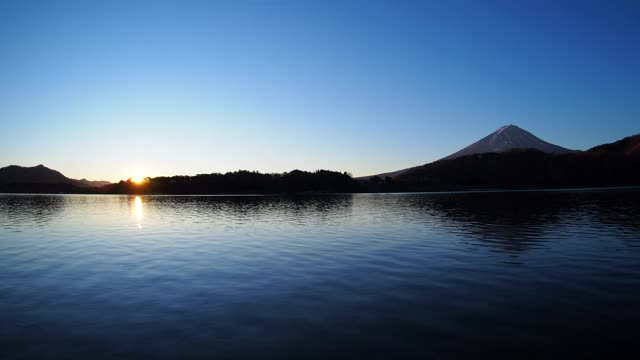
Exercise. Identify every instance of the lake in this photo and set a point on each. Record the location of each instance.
(502, 274)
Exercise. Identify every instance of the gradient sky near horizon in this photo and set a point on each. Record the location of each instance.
(105, 89)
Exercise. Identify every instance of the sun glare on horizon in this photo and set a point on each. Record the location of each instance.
(138, 178)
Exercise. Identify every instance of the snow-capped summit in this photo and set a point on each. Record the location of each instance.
(504, 139)
(507, 138)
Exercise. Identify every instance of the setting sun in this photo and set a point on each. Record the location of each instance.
(138, 179)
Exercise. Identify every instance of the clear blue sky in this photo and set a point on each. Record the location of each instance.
(103, 89)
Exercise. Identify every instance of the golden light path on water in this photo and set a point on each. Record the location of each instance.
(138, 210)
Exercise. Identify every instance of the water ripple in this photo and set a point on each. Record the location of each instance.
(118, 277)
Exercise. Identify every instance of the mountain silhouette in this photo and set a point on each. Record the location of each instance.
(505, 138)
(615, 164)
(41, 174)
(627, 146)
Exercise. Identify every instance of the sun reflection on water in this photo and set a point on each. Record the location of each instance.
(138, 210)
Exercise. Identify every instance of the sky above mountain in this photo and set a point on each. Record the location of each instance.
(104, 90)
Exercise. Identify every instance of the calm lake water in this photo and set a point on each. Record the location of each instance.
(438, 275)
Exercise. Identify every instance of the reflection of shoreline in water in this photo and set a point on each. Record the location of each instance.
(509, 222)
(250, 209)
(27, 210)
(515, 222)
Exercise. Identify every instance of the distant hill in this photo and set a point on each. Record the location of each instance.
(627, 146)
(42, 175)
(36, 174)
(506, 138)
(616, 164)
(96, 183)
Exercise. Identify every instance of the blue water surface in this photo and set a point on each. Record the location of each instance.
(501, 274)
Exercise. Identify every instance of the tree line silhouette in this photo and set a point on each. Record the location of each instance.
(241, 182)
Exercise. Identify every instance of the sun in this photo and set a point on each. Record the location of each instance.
(138, 178)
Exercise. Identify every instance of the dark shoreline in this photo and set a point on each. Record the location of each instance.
(460, 191)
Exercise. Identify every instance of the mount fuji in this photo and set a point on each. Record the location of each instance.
(506, 138)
